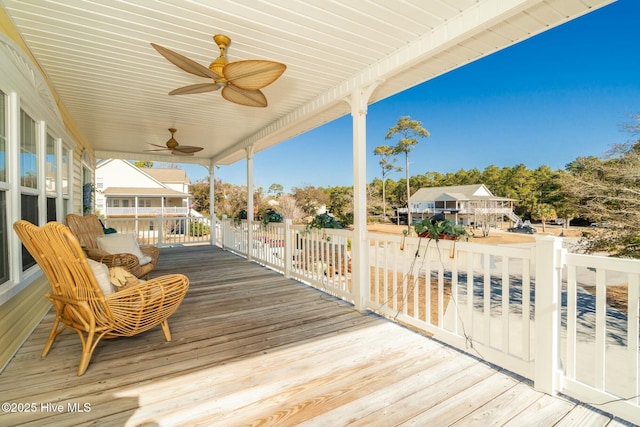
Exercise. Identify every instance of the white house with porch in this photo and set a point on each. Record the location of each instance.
(465, 204)
(125, 190)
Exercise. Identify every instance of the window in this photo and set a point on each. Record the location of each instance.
(88, 187)
(28, 152)
(64, 180)
(3, 137)
(65, 174)
(4, 238)
(28, 178)
(51, 209)
(29, 206)
(4, 255)
(50, 178)
(50, 168)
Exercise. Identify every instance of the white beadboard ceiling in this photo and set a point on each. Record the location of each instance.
(97, 54)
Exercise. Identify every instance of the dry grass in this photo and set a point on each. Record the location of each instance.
(496, 237)
(415, 287)
(617, 296)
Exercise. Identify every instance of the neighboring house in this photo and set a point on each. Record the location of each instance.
(468, 204)
(124, 190)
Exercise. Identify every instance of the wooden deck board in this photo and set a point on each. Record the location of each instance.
(253, 348)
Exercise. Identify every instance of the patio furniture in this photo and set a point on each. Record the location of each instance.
(86, 301)
(123, 250)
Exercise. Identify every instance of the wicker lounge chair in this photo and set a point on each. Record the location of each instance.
(88, 230)
(78, 298)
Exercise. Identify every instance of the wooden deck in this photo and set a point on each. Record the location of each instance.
(252, 348)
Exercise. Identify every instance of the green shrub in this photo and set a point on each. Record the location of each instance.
(199, 229)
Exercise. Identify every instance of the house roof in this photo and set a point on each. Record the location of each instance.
(112, 85)
(454, 192)
(167, 175)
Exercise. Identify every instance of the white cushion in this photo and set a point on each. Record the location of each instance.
(101, 273)
(118, 243)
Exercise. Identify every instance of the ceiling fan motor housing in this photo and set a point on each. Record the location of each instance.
(172, 143)
(217, 66)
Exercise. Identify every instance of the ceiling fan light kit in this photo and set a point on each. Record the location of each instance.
(240, 81)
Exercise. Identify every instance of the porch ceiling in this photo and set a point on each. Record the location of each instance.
(98, 56)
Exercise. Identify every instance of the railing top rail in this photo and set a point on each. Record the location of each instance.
(604, 262)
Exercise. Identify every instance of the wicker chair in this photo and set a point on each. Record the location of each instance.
(79, 302)
(88, 227)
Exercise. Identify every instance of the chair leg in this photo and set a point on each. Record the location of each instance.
(88, 345)
(165, 329)
(52, 336)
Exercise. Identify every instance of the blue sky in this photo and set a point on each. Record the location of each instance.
(559, 95)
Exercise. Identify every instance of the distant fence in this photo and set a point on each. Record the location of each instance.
(166, 231)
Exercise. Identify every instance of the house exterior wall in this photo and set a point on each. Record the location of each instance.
(182, 187)
(55, 159)
(117, 173)
(120, 173)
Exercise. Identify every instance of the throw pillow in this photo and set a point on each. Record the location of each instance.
(120, 277)
(122, 244)
(101, 273)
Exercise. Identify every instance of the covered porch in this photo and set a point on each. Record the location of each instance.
(251, 347)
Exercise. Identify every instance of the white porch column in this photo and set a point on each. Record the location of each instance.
(249, 151)
(359, 246)
(212, 204)
(547, 314)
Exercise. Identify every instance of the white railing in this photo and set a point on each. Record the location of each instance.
(538, 311)
(600, 339)
(165, 231)
(320, 258)
(167, 210)
(475, 297)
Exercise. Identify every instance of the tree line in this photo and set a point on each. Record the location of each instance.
(529, 188)
(604, 189)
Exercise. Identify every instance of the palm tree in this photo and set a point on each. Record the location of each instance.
(409, 131)
(385, 152)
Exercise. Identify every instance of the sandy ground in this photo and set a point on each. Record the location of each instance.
(616, 295)
(495, 236)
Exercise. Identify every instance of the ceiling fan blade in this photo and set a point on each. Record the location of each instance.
(250, 98)
(187, 149)
(179, 153)
(185, 63)
(197, 88)
(253, 74)
(156, 145)
(159, 149)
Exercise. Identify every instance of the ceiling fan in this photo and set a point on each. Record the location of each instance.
(175, 148)
(240, 81)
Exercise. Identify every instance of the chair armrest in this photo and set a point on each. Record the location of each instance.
(94, 253)
(130, 262)
(168, 284)
(151, 251)
(158, 297)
